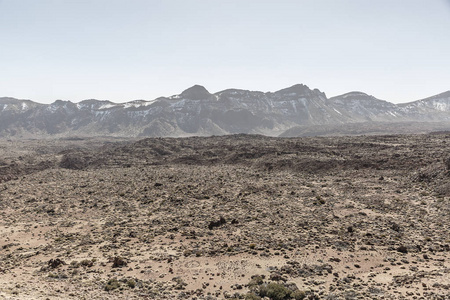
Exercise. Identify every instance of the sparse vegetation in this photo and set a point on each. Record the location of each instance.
(131, 283)
(275, 291)
(119, 262)
(112, 284)
(198, 220)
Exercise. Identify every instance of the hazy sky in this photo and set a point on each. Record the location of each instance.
(396, 50)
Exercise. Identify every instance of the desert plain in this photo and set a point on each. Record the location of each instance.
(226, 217)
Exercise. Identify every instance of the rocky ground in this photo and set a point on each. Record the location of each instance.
(242, 217)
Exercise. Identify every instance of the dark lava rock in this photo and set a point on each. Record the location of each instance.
(402, 249)
(214, 224)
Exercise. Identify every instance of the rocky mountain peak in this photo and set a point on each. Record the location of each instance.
(60, 102)
(299, 89)
(356, 95)
(196, 92)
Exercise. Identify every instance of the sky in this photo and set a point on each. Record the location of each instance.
(123, 50)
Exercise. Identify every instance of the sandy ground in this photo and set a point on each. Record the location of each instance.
(204, 218)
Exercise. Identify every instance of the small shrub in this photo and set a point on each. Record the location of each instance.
(298, 295)
(275, 291)
(112, 284)
(131, 283)
(252, 296)
(87, 263)
(119, 262)
(255, 281)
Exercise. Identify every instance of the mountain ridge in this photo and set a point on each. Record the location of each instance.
(196, 111)
(442, 94)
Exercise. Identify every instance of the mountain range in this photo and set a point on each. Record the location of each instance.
(294, 111)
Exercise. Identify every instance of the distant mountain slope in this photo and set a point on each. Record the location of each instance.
(358, 106)
(198, 112)
(430, 109)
